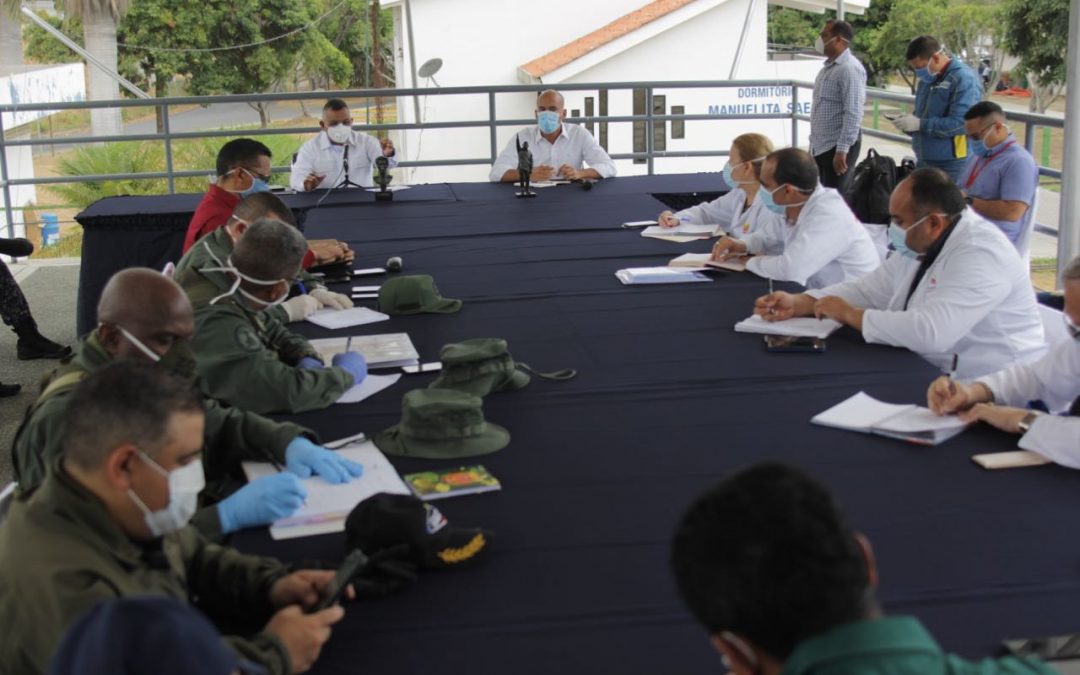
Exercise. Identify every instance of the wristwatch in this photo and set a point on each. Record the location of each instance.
(1025, 424)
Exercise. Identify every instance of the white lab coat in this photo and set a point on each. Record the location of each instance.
(827, 245)
(1054, 380)
(320, 156)
(974, 301)
(574, 146)
(727, 211)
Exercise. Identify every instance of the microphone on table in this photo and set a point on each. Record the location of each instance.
(382, 178)
(525, 167)
(586, 184)
(394, 264)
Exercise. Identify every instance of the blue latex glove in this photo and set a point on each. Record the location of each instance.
(261, 501)
(304, 458)
(354, 363)
(308, 362)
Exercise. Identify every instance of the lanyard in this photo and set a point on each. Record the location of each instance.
(980, 165)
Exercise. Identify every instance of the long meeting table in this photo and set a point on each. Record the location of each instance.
(668, 399)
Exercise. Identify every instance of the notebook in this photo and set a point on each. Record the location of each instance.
(346, 318)
(640, 223)
(388, 350)
(684, 230)
(798, 327)
(466, 480)
(703, 261)
(907, 422)
(659, 275)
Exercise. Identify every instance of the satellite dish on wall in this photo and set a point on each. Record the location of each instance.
(429, 68)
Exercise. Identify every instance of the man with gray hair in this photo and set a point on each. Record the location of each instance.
(246, 357)
(1054, 380)
(559, 150)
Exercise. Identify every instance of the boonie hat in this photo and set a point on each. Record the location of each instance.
(479, 366)
(386, 520)
(441, 424)
(414, 294)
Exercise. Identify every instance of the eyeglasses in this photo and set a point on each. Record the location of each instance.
(255, 174)
(981, 134)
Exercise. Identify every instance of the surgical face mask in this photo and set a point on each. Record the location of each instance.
(925, 74)
(770, 203)
(898, 238)
(257, 185)
(729, 175)
(185, 484)
(230, 268)
(548, 121)
(179, 361)
(977, 142)
(339, 133)
(819, 44)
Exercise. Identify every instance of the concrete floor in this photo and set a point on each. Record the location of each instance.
(51, 292)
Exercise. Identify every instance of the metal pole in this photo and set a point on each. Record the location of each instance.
(649, 127)
(90, 58)
(742, 39)
(492, 127)
(412, 59)
(1068, 228)
(168, 148)
(794, 112)
(840, 9)
(4, 181)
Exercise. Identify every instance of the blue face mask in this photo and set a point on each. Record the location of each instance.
(729, 176)
(257, 185)
(898, 239)
(924, 75)
(769, 202)
(978, 148)
(548, 121)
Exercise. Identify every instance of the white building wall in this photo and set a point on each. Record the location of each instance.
(485, 43)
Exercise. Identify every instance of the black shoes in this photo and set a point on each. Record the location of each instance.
(16, 248)
(40, 347)
(9, 389)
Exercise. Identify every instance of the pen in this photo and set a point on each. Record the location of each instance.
(348, 343)
(772, 310)
(952, 374)
(302, 287)
(342, 442)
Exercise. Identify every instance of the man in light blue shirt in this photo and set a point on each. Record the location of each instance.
(837, 110)
(1000, 177)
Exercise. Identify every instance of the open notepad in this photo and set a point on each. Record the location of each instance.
(908, 422)
(346, 318)
(388, 350)
(704, 261)
(328, 504)
(798, 327)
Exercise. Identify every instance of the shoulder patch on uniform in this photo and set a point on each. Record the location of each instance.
(247, 339)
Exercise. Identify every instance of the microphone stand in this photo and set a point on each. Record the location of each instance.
(345, 182)
(525, 165)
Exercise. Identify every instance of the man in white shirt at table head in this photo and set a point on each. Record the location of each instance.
(954, 289)
(821, 241)
(338, 155)
(559, 150)
(1001, 399)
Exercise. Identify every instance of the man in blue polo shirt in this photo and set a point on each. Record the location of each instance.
(1000, 178)
(947, 88)
(768, 563)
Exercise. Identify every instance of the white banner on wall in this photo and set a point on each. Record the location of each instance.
(54, 84)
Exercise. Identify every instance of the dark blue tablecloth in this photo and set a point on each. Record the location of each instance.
(667, 400)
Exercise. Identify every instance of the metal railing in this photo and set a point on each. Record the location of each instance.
(168, 137)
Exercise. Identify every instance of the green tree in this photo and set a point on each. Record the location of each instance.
(40, 47)
(906, 20)
(792, 28)
(1037, 31)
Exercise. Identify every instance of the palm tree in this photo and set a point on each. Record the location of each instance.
(100, 19)
(10, 41)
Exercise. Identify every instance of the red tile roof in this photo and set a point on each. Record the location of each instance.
(601, 36)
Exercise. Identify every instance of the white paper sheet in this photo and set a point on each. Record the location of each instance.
(346, 318)
(861, 412)
(390, 188)
(328, 504)
(798, 327)
(659, 275)
(371, 385)
(685, 229)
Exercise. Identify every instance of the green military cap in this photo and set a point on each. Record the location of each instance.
(442, 424)
(479, 366)
(415, 294)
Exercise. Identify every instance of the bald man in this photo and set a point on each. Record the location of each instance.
(559, 150)
(144, 316)
(216, 247)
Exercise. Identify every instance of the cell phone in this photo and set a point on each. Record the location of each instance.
(353, 563)
(422, 368)
(1062, 650)
(788, 343)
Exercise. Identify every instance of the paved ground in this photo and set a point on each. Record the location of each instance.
(50, 289)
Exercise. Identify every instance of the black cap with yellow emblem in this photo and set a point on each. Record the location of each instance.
(385, 520)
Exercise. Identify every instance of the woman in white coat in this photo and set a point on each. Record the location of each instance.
(1000, 399)
(739, 212)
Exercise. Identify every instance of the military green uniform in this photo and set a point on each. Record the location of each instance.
(892, 646)
(61, 553)
(220, 244)
(232, 435)
(249, 359)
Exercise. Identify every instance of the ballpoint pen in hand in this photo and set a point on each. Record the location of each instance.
(348, 344)
(952, 374)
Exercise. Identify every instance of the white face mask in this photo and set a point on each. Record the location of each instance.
(339, 133)
(230, 268)
(185, 484)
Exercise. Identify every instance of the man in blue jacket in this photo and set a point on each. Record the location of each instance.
(947, 88)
